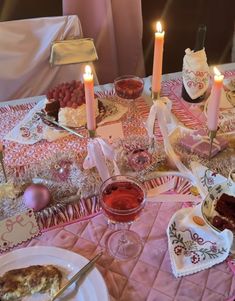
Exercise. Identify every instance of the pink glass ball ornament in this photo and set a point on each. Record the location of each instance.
(36, 196)
(139, 159)
(61, 170)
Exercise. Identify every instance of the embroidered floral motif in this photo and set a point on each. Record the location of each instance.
(25, 132)
(39, 129)
(192, 248)
(178, 249)
(208, 179)
(213, 248)
(187, 253)
(195, 258)
(199, 79)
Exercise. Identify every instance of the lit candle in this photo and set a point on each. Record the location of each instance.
(90, 99)
(157, 60)
(214, 101)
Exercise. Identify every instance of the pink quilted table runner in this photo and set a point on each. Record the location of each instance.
(148, 277)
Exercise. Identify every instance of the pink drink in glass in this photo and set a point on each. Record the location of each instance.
(123, 201)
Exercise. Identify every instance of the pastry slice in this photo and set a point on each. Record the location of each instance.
(52, 108)
(16, 284)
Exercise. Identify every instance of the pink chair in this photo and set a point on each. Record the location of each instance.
(24, 55)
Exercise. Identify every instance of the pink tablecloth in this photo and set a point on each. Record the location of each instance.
(17, 155)
(149, 277)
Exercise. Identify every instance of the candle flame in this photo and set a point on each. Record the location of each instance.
(216, 71)
(88, 69)
(159, 26)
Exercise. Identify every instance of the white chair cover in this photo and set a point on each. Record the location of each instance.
(24, 55)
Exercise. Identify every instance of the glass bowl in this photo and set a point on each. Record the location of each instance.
(129, 86)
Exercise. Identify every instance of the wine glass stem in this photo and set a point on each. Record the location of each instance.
(123, 243)
(123, 240)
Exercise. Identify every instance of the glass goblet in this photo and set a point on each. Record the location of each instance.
(122, 199)
(129, 87)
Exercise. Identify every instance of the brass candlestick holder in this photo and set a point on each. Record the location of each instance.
(212, 135)
(155, 95)
(92, 134)
(2, 163)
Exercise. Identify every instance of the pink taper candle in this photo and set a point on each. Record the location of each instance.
(157, 59)
(214, 101)
(90, 99)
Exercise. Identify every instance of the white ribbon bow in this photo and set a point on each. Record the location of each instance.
(165, 121)
(170, 123)
(98, 151)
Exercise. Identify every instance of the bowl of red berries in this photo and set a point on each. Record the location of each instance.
(129, 86)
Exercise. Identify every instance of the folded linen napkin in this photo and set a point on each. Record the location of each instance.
(205, 178)
(194, 245)
(195, 73)
(31, 129)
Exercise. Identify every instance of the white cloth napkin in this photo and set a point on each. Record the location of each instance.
(195, 247)
(195, 73)
(31, 129)
(205, 178)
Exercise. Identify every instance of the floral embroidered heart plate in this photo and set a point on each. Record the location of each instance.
(195, 246)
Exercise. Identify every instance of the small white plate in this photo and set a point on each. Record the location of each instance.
(93, 288)
(209, 203)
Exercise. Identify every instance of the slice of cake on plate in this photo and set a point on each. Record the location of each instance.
(225, 213)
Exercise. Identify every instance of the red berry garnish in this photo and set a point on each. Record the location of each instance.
(56, 94)
(69, 104)
(74, 105)
(73, 98)
(68, 94)
(66, 98)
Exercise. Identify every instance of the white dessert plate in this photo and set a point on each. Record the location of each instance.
(209, 203)
(93, 288)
